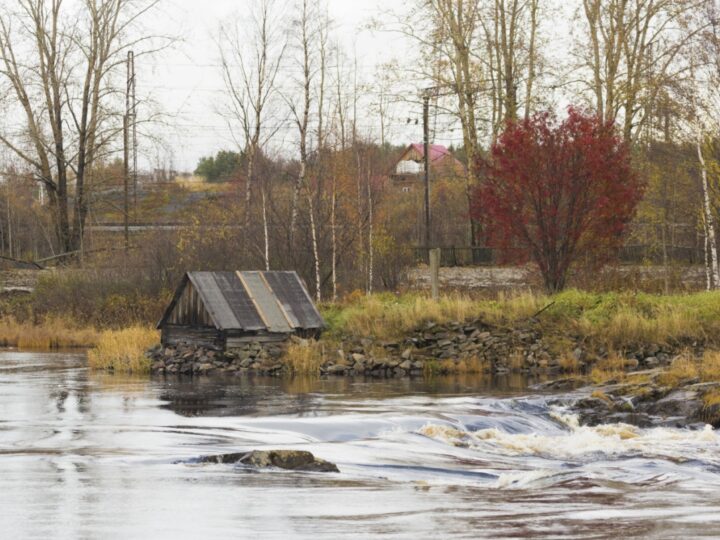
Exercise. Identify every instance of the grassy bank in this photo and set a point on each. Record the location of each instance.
(112, 350)
(613, 319)
(52, 333)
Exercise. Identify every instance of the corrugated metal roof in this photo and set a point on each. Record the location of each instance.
(240, 302)
(266, 301)
(214, 299)
(276, 302)
(295, 299)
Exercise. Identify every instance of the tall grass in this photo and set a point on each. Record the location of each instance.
(305, 358)
(386, 315)
(620, 319)
(123, 350)
(53, 333)
(615, 319)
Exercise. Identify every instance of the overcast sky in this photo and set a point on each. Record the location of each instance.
(185, 81)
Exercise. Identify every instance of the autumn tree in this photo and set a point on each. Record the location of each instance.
(61, 61)
(631, 48)
(559, 191)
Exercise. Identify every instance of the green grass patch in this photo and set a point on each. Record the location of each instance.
(614, 319)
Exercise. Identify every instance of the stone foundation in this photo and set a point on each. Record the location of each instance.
(188, 359)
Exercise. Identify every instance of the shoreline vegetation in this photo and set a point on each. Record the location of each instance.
(607, 324)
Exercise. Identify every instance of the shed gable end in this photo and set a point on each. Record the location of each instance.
(190, 310)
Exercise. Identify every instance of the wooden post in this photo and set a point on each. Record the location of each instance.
(435, 273)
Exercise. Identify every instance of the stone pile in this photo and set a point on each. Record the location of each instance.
(647, 401)
(442, 347)
(188, 359)
(434, 348)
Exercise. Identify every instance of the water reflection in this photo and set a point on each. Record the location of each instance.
(257, 395)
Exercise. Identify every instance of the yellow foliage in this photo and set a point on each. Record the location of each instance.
(123, 350)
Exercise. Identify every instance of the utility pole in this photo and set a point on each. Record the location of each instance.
(133, 117)
(126, 181)
(127, 119)
(426, 151)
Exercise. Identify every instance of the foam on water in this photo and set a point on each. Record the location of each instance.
(585, 442)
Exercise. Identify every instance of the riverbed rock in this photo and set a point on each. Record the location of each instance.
(292, 460)
(679, 404)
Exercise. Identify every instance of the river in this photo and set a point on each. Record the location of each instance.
(88, 455)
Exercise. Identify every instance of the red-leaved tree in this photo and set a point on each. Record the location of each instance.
(559, 192)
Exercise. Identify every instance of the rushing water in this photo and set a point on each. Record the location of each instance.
(84, 455)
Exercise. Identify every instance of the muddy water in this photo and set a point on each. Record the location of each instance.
(92, 456)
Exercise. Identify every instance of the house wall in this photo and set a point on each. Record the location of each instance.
(203, 336)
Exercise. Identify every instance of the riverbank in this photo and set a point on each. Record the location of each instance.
(387, 335)
(49, 334)
(411, 335)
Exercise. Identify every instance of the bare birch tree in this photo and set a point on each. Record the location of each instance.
(250, 78)
(301, 112)
(711, 252)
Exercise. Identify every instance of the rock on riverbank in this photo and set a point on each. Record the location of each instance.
(476, 346)
(471, 346)
(644, 400)
(189, 359)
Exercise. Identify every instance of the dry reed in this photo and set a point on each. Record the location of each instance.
(123, 350)
(53, 333)
(305, 357)
(607, 369)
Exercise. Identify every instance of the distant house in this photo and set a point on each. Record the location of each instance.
(408, 171)
(225, 310)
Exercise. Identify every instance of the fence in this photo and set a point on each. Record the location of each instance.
(631, 254)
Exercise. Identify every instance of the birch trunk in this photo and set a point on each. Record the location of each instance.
(316, 254)
(333, 231)
(371, 252)
(302, 118)
(706, 253)
(265, 229)
(709, 219)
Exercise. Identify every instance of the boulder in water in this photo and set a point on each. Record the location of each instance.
(292, 460)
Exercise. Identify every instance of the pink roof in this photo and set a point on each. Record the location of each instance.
(437, 151)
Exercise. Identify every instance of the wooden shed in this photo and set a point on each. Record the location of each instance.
(228, 309)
